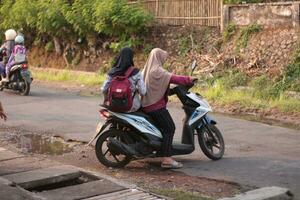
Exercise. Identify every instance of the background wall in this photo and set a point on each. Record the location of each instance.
(281, 14)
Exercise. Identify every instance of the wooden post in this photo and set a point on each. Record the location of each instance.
(156, 8)
(296, 14)
(222, 16)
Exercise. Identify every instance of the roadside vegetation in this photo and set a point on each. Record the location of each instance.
(68, 76)
(237, 89)
(73, 22)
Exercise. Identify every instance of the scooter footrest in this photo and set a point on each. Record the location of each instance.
(180, 149)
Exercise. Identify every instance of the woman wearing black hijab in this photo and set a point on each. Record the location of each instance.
(120, 66)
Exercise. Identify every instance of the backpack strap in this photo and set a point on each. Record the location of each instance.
(129, 72)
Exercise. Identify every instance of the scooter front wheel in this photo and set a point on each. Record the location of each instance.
(105, 155)
(211, 142)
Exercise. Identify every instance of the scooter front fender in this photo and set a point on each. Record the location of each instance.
(209, 120)
(100, 128)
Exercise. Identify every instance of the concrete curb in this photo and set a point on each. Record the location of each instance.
(265, 193)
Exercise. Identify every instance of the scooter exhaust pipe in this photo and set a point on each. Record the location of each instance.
(116, 147)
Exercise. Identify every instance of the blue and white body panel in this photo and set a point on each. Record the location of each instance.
(139, 123)
(198, 114)
(200, 111)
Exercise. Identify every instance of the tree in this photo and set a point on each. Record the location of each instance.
(51, 21)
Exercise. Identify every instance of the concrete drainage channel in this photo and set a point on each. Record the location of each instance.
(68, 183)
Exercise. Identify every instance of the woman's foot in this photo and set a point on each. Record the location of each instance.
(169, 163)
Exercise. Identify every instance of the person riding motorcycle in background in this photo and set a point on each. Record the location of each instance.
(8, 46)
(17, 56)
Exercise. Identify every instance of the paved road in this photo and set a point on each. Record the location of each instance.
(256, 154)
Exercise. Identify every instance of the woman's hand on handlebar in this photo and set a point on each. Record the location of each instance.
(194, 79)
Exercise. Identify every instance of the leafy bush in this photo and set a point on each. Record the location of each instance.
(234, 79)
(229, 31)
(51, 19)
(262, 87)
(183, 45)
(117, 46)
(69, 20)
(49, 47)
(117, 18)
(245, 33)
(18, 14)
(86, 22)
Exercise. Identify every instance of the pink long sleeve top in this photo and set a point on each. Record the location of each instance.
(175, 79)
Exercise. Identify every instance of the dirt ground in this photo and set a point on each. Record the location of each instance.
(147, 174)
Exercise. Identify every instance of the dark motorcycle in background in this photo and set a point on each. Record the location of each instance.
(20, 78)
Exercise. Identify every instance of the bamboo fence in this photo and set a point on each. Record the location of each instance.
(185, 12)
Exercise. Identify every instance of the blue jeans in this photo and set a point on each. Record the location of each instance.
(2, 69)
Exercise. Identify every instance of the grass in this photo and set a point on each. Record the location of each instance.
(245, 33)
(287, 104)
(83, 78)
(247, 100)
(178, 194)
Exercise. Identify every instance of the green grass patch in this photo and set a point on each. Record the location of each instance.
(229, 31)
(287, 105)
(247, 99)
(260, 93)
(245, 34)
(89, 79)
(178, 194)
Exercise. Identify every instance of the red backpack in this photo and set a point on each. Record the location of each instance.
(119, 93)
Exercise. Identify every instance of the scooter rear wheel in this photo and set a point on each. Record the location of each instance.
(212, 149)
(103, 153)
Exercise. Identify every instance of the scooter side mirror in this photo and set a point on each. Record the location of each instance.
(193, 66)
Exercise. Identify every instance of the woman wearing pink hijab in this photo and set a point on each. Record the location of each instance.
(154, 103)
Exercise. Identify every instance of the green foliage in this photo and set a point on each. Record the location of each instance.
(147, 48)
(183, 45)
(117, 18)
(262, 87)
(18, 14)
(91, 79)
(49, 47)
(80, 15)
(229, 31)
(245, 33)
(50, 17)
(117, 46)
(233, 79)
(76, 18)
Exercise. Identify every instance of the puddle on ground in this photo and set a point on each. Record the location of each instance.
(32, 143)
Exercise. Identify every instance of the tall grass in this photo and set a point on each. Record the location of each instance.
(259, 93)
(89, 79)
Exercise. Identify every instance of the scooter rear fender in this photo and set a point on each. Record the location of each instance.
(100, 128)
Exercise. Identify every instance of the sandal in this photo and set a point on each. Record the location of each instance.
(173, 165)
